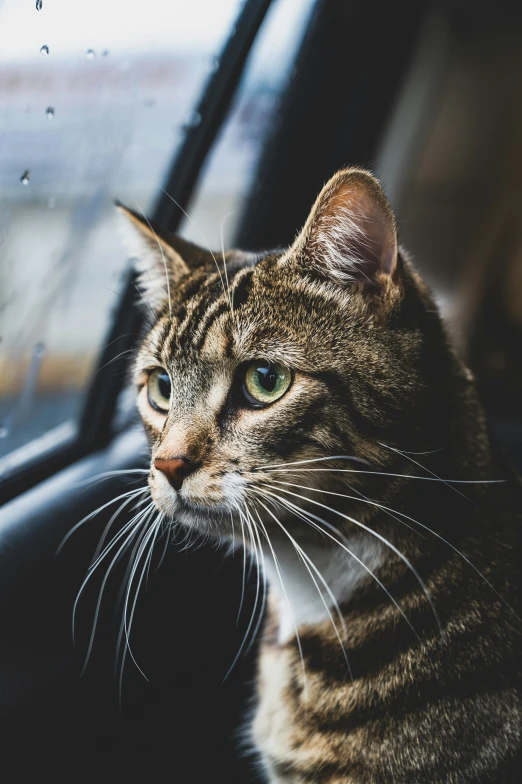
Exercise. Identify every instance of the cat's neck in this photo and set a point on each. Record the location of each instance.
(310, 587)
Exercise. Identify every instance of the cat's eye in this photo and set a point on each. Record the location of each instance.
(265, 382)
(159, 390)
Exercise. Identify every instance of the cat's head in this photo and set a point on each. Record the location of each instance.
(255, 364)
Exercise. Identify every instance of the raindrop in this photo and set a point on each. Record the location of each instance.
(192, 120)
(24, 179)
(44, 49)
(51, 203)
(149, 102)
(49, 112)
(90, 54)
(4, 432)
(39, 4)
(105, 53)
(214, 64)
(39, 350)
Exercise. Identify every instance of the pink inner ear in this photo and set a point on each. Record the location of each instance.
(352, 233)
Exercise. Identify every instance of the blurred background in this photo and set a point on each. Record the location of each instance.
(97, 97)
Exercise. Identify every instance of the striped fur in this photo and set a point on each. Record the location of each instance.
(391, 650)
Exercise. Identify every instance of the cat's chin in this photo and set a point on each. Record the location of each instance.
(205, 519)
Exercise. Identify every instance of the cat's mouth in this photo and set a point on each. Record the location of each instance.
(206, 508)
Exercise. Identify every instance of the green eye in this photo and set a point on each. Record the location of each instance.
(159, 390)
(265, 383)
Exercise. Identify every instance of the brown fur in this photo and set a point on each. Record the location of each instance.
(427, 688)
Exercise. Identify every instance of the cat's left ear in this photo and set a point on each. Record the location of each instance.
(159, 264)
(350, 235)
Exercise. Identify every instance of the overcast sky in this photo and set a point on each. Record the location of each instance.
(70, 27)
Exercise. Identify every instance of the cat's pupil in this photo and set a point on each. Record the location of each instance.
(267, 378)
(164, 385)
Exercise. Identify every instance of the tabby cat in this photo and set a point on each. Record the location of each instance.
(306, 404)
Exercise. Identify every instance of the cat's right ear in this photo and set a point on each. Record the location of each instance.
(350, 236)
(158, 263)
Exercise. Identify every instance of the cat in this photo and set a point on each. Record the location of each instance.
(306, 403)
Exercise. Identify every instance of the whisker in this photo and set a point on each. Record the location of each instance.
(110, 524)
(312, 460)
(109, 474)
(360, 497)
(415, 462)
(253, 614)
(221, 226)
(307, 560)
(149, 535)
(134, 527)
(422, 525)
(308, 514)
(294, 624)
(402, 476)
(377, 535)
(97, 511)
(201, 234)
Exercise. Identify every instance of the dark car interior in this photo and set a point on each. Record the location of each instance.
(426, 95)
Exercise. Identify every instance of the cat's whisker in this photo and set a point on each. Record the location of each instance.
(130, 529)
(360, 498)
(103, 552)
(202, 235)
(109, 525)
(251, 531)
(311, 460)
(307, 562)
(416, 462)
(115, 359)
(243, 580)
(157, 526)
(149, 537)
(400, 476)
(285, 594)
(109, 474)
(293, 508)
(221, 226)
(97, 511)
(413, 520)
(261, 575)
(375, 534)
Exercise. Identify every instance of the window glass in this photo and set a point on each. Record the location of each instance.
(215, 208)
(94, 98)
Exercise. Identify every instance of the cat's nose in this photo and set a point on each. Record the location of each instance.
(175, 469)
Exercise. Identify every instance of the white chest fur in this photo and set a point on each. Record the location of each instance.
(308, 588)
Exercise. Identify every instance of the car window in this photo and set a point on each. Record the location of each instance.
(94, 100)
(215, 209)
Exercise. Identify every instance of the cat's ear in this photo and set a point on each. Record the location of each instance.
(159, 264)
(350, 235)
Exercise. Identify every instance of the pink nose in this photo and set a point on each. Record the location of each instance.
(175, 469)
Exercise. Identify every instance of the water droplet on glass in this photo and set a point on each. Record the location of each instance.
(90, 54)
(24, 179)
(105, 53)
(39, 4)
(149, 102)
(49, 112)
(39, 350)
(192, 120)
(214, 64)
(44, 49)
(51, 203)
(4, 432)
